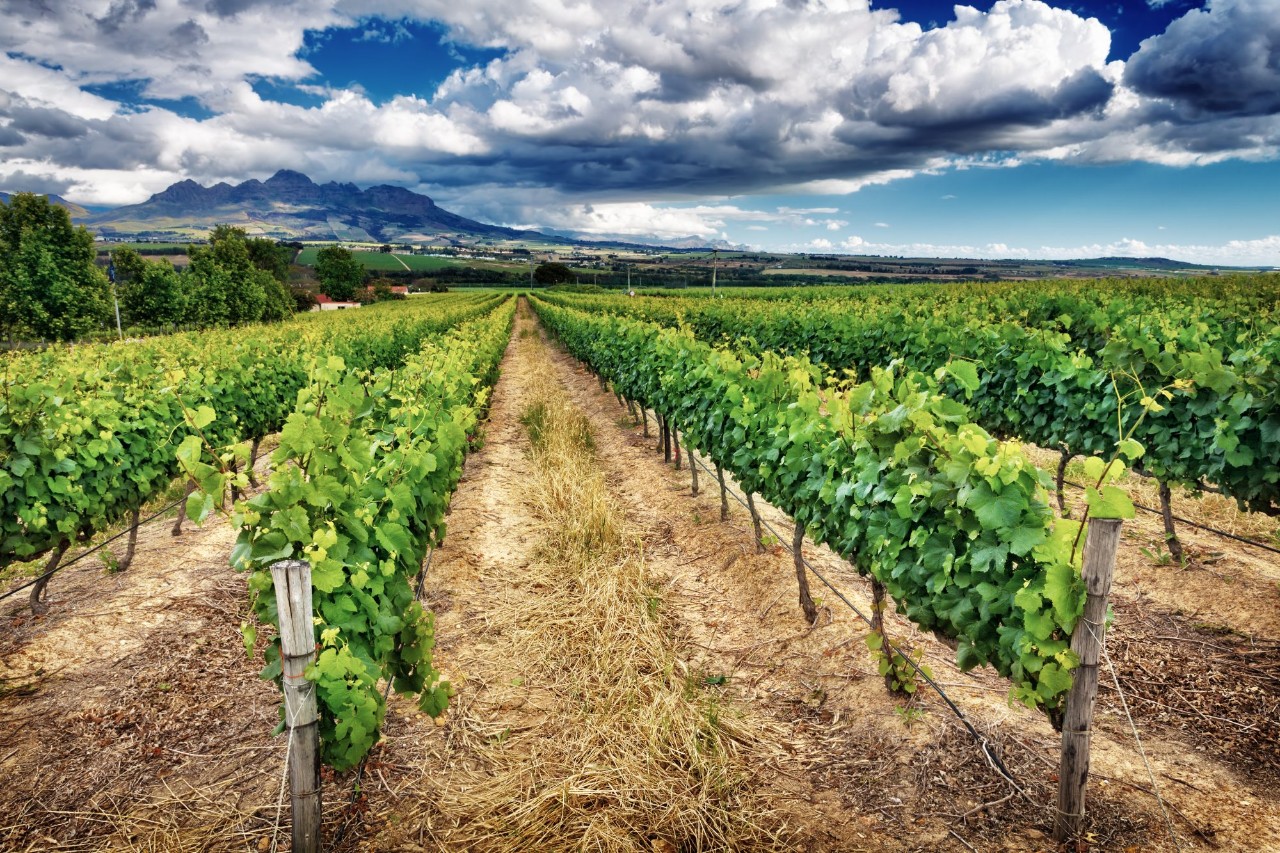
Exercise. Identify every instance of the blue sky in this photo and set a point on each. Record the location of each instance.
(1016, 128)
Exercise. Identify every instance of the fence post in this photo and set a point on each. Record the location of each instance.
(1086, 641)
(298, 649)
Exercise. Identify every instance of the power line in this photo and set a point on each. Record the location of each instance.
(1195, 524)
(973, 732)
(95, 548)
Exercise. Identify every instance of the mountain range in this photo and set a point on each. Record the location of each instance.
(289, 205)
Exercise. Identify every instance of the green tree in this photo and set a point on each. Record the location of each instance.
(239, 288)
(280, 303)
(270, 256)
(151, 294)
(339, 273)
(128, 263)
(205, 295)
(552, 273)
(50, 286)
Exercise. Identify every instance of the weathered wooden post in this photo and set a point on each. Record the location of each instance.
(1086, 641)
(297, 650)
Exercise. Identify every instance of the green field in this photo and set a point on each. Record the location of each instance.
(148, 248)
(380, 262)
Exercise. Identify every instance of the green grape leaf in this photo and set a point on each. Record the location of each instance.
(1110, 502)
(965, 373)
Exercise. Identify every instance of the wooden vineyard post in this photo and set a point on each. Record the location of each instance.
(1086, 641)
(297, 650)
(693, 469)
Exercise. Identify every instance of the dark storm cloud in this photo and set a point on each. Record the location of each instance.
(25, 9)
(1236, 133)
(231, 8)
(55, 136)
(1221, 61)
(20, 181)
(124, 13)
(1086, 91)
(48, 122)
(189, 34)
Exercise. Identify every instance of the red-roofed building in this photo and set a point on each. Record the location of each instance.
(324, 303)
(394, 289)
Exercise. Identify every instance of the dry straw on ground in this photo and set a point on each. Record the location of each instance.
(643, 756)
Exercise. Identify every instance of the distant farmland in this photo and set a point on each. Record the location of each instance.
(384, 262)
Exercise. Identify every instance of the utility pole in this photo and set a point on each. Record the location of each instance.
(111, 274)
(715, 258)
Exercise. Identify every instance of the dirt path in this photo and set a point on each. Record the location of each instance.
(131, 719)
(476, 580)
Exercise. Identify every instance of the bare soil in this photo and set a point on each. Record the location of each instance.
(130, 717)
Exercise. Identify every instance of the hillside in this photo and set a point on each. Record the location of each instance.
(77, 212)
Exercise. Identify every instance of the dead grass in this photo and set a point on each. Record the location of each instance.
(642, 756)
(1207, 508)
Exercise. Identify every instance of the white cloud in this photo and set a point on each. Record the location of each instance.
(807, 211)
(635, 218)
(652, 98)
(595, 102)
(1264, 251)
